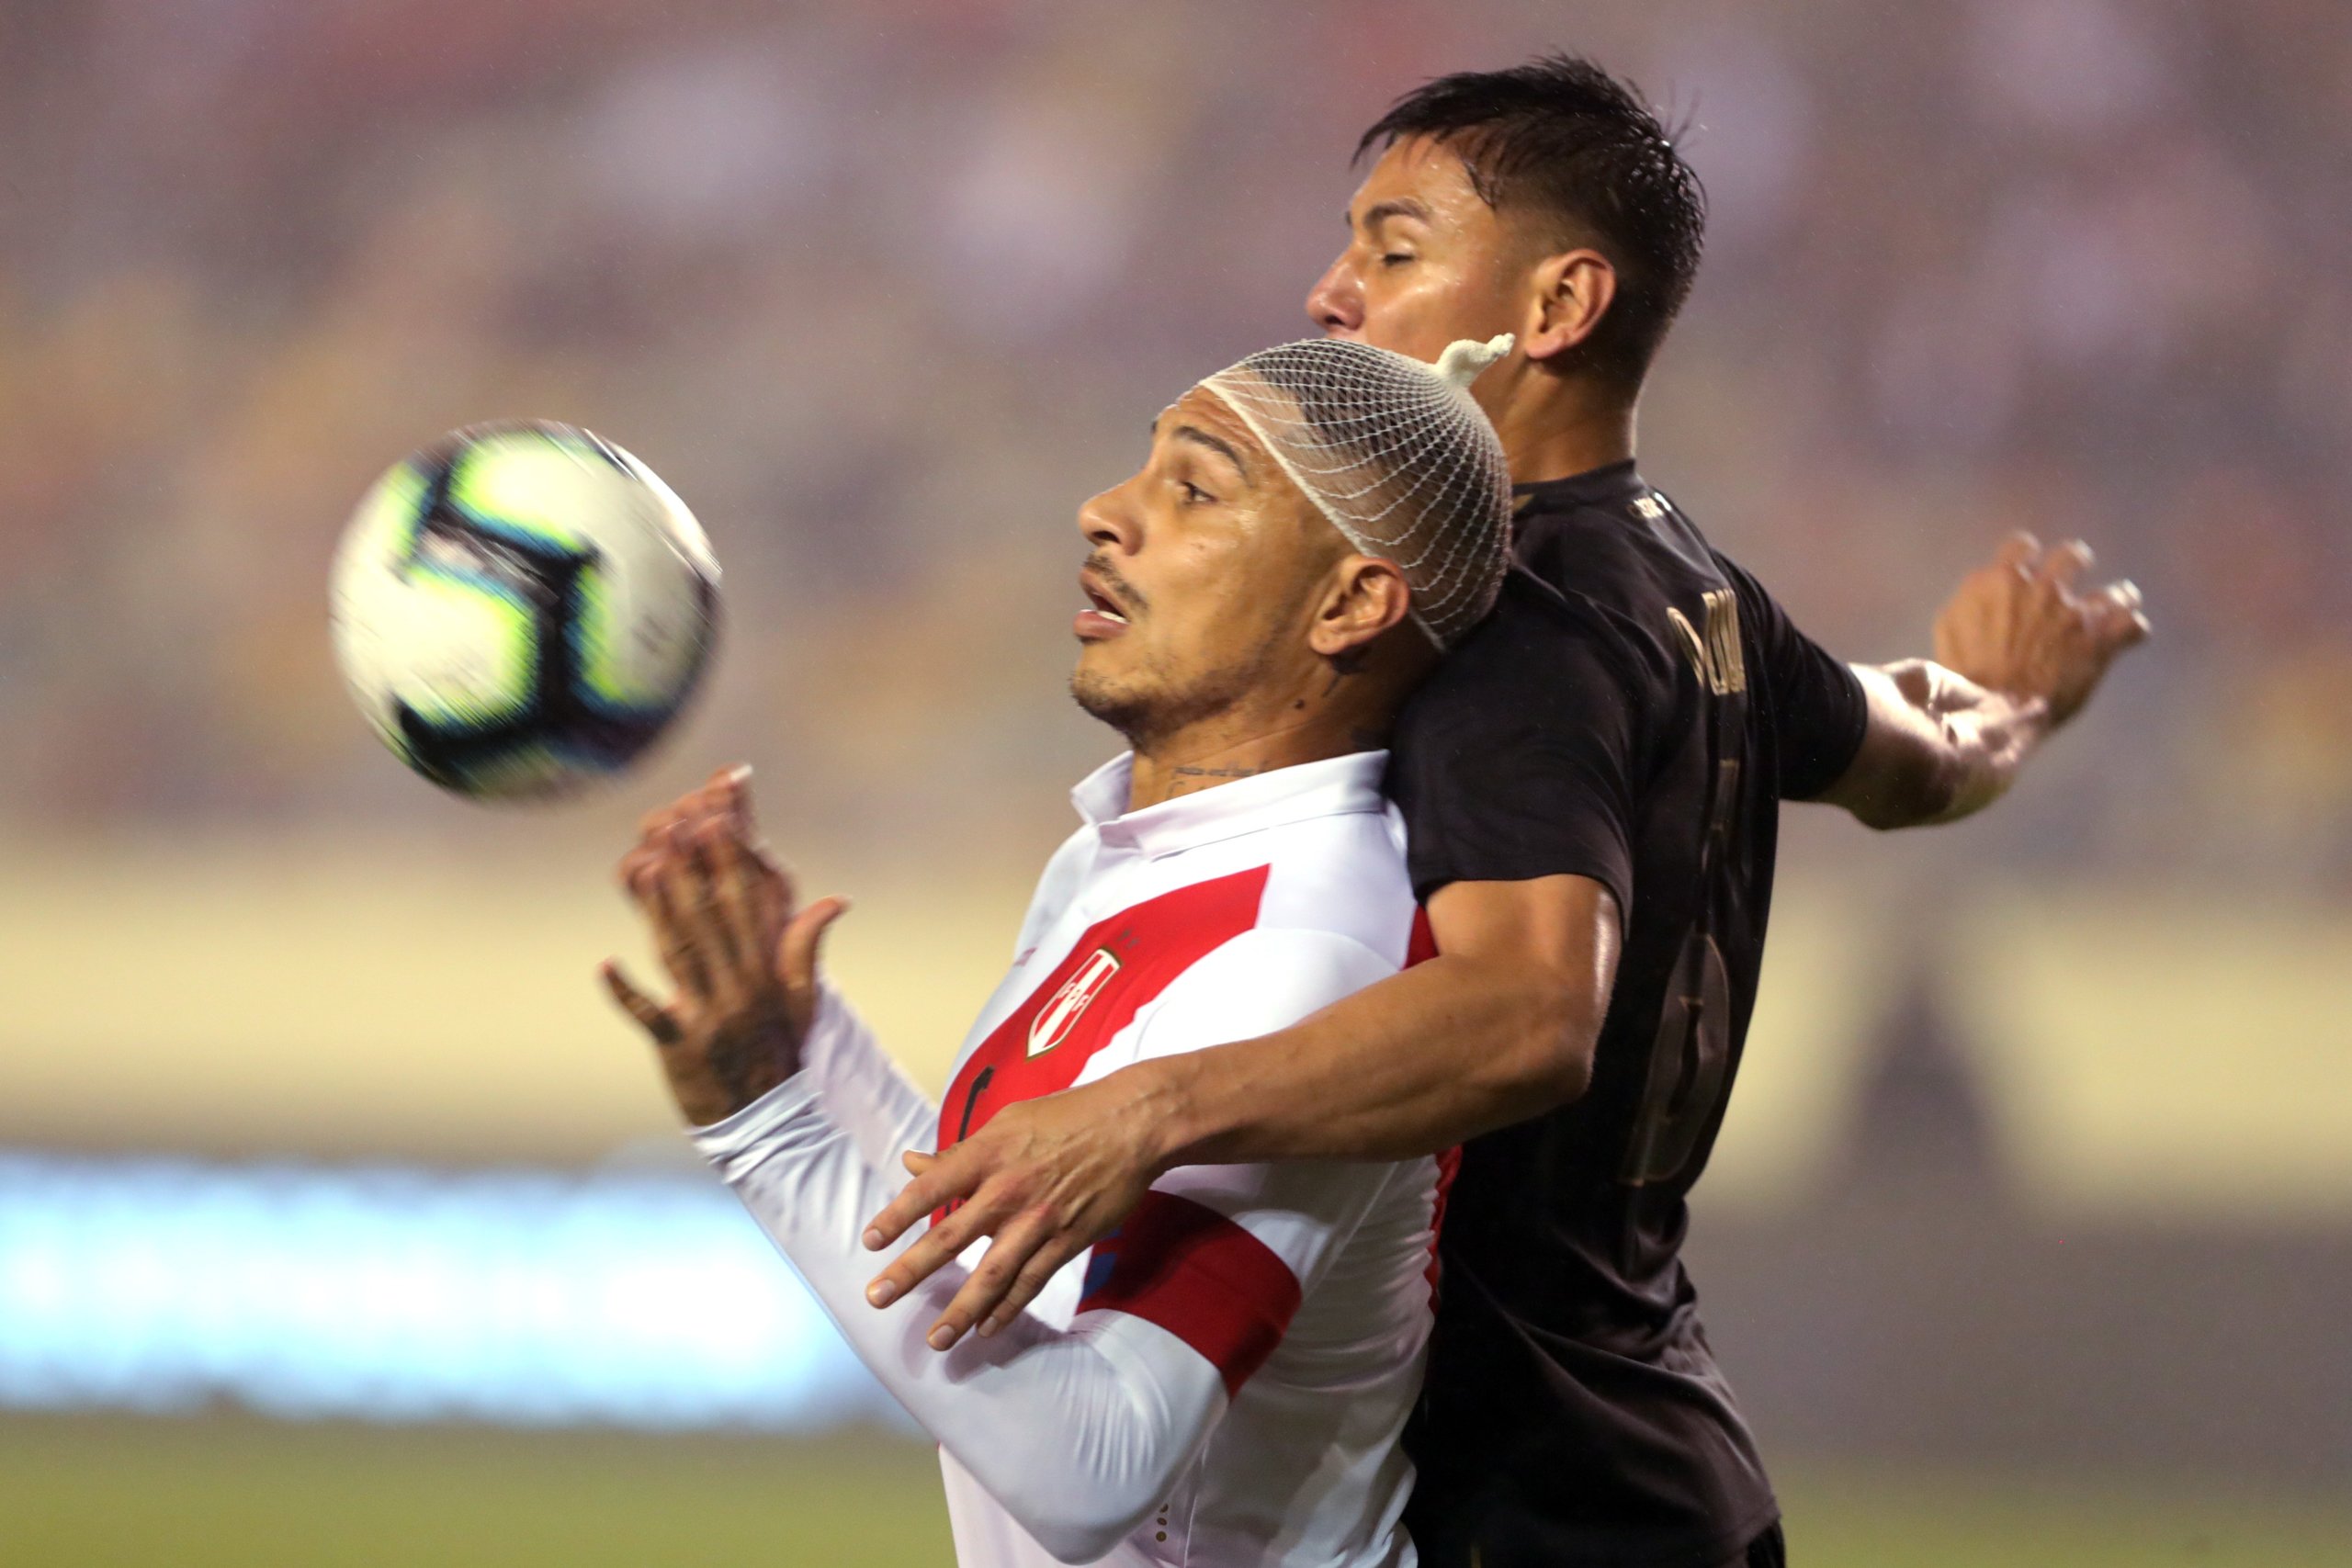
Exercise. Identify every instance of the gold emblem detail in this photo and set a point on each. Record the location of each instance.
(1721, 668)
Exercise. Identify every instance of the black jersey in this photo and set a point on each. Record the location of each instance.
(1633, 712)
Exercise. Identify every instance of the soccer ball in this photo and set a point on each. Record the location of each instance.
(522, 608)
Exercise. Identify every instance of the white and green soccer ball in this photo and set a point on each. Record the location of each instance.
(522, 608)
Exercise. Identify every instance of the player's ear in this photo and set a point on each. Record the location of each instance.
(1365, 597)
(1570, 293)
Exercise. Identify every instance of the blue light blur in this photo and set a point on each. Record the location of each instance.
(395, 1294)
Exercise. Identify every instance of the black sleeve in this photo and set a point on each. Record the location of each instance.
(1815, 700)
(1516, 759)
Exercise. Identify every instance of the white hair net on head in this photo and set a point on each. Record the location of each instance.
(1397, 454)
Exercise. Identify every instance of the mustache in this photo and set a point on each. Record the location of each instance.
(1119, 588)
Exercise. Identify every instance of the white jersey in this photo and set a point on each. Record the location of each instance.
(1222, 1379)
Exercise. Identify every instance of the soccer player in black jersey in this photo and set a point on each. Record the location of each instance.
(1592, 784)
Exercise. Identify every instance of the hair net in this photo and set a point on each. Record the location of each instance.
(1397, 454)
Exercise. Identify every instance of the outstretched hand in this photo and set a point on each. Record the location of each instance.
(1044, 1178)
(743, 960)
(2020, 627)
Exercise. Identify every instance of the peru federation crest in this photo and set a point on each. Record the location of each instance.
(1060, 1014)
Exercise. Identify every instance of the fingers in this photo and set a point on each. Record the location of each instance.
(2141, 627)
(2117, 614)
(664, 890)
(695, 894)
(634, 866)
(655, 826)
(726, 790)
(729, 797)
(655, 835)
(930, 1251)
(1042, 1266)
(739, 908)
(953, 1173)
(1013, 1248)
(2018, 552)
(715, 900)
(2063, 564)
(767, 889)
(652, 1017)
(718, 794)
(646, 855)
(655, 823)
(735, 791)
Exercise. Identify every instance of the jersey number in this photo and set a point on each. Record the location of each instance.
(1686, 1066)
(1691, 1059)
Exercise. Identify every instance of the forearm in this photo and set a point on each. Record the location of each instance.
(1446, 1050)
(862, 1089)
(1496, 1028)
(1077, 1433)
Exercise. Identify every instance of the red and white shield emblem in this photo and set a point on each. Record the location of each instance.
(1059, 1016)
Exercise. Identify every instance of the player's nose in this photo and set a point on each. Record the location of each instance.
(1335, 304)
(1108, 524)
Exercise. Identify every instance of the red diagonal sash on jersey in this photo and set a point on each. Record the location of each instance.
(1204, 1278)
(1197, 1274)
(1112, 972)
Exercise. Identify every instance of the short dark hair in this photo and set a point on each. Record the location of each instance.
(1562, 138)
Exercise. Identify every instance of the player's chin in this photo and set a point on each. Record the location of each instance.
(1095, 666)
(1111, 649)
(1100, 692)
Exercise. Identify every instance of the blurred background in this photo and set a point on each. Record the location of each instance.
(340, 1223)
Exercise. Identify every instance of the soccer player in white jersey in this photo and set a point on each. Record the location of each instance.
(1225, 1379)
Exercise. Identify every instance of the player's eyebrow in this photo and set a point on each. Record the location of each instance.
(1380, 212)
(1224, 449)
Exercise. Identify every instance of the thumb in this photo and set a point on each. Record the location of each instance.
(795, 951)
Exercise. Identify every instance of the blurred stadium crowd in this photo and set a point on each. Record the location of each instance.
(885, 290)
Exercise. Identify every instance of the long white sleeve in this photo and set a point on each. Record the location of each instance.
(1075, 1433)
(862, 1089)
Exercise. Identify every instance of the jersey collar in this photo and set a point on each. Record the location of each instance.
(1332, 787)
(1611, 481)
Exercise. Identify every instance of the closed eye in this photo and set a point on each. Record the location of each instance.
(1396, 258)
